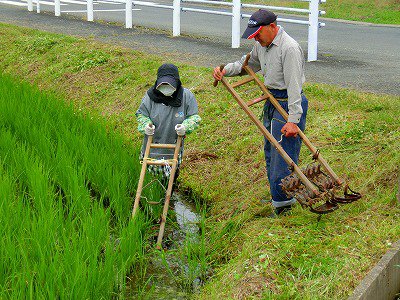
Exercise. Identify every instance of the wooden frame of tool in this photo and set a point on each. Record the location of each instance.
(148, 161)
(267, 96)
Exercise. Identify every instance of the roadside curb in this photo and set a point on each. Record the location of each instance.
(383, 281)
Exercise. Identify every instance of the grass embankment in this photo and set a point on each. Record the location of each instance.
(66, 191)
(377, 12)
(291, 257)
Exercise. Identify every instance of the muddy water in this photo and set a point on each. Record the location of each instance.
(186, 218)
(167, 274)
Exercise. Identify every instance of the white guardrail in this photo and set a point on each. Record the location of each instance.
(236, 14)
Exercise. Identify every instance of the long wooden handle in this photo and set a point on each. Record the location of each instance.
(221, 67)
(285, 115)
(169, 191)
(142, 174)
(270, 138)
(245, 63)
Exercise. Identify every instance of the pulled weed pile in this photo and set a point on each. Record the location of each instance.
(65, 201)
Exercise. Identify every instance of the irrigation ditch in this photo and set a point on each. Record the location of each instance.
(66, 225)
(180, 269)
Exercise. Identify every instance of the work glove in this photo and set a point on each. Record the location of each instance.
(180, 129)
(149, 129)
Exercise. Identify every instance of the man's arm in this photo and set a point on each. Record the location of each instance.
(235, 68)
(293, 76)
(293, 61)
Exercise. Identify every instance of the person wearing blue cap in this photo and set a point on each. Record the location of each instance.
(166, 111)
(281, 61)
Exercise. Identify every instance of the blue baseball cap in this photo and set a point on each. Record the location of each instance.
(257, 20)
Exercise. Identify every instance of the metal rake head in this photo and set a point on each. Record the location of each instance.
(327, 186)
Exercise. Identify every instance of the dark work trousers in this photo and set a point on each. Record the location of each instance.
(276, 166)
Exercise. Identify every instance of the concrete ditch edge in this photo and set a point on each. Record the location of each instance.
(383, 281)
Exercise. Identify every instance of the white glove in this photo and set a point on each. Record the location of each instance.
(180, 129)
(149, 129)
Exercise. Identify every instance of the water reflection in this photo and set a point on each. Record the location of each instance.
(168, 274)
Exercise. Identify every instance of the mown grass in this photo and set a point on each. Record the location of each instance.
(377, 12)
(253, 257)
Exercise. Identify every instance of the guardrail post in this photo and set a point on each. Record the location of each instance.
(57, 8)
(38, 6)
(90, 10)
(30, 5)
(128, 14)
(176, 18)
(236, 16)
(313, 31)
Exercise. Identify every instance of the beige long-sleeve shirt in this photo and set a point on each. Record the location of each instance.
(282, 66)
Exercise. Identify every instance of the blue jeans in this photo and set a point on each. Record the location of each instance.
(276, 166)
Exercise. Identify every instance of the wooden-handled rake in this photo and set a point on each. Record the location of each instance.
(315, 183)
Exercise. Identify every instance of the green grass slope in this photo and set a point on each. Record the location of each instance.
(376, 11)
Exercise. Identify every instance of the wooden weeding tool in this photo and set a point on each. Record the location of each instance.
(150, 161)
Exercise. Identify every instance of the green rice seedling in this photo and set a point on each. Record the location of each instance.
(13, 211)
(72, 183)
(186, 262)
(193, 254)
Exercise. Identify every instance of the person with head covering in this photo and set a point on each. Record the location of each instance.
(166, 111)
(281, 62)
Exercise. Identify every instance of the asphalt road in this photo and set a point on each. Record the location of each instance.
(360, 56)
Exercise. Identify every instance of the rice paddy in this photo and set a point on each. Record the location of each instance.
(65, 190)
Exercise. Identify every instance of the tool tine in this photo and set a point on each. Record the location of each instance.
(325, 208)
(348, 197)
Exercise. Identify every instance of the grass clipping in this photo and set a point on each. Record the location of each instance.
(254, 257)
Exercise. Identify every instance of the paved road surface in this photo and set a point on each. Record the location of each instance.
(360, 56)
